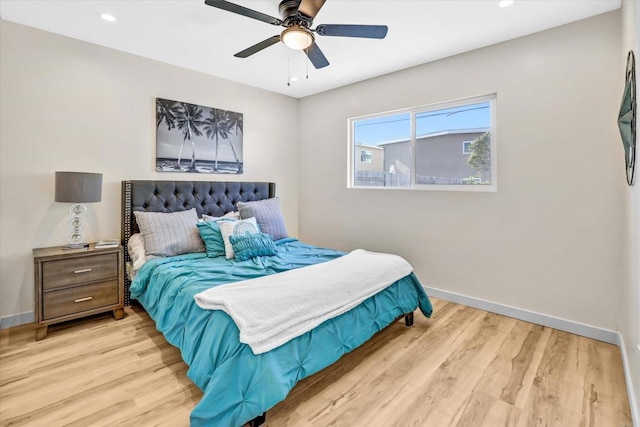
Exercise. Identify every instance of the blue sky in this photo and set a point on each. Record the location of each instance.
(398, 126)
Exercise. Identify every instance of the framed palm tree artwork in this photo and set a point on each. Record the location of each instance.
(195, 139)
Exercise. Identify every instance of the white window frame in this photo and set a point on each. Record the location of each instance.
(351, 150)
(468, 145)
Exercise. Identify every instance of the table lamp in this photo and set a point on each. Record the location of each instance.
(78, 188)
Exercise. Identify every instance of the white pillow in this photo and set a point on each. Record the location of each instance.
(236, 228)
(230, 215)
(169, 234)
(136, 251)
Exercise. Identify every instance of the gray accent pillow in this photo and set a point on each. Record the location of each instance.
(169, 234)
(268, 215)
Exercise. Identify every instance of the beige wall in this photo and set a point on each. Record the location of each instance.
(629, 320)
(549, 239)
(71, 105)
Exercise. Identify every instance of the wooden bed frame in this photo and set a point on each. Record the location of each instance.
(208, 198)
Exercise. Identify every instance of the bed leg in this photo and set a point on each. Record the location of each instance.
(408, 319)
(259, 420)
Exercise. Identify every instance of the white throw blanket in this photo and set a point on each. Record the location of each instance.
(269, 311)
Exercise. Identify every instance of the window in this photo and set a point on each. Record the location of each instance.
(365, 156)
(419, 148)
(466, 147)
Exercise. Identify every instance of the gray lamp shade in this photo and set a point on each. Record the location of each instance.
(78, 187)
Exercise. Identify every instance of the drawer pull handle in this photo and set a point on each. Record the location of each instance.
(84, 270)
(83, 299)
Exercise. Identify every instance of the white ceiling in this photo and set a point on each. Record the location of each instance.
(192, 35)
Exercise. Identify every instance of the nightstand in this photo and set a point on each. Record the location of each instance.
(70, 284)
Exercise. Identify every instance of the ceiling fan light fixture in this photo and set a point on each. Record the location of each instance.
(297, 38)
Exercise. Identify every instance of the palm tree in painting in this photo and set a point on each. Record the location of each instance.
(189, 120)
(166, 110)
(235, 119)
(218, 125)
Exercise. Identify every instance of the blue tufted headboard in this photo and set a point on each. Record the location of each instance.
(210, 198)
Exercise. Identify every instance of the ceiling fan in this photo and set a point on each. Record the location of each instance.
(297, 18)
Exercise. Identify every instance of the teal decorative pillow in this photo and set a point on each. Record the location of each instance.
(252, 245)
(235, 228)
(210, 233)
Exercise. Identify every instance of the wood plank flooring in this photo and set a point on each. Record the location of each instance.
(464, 367)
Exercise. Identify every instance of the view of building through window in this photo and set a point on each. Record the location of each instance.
(447, 144)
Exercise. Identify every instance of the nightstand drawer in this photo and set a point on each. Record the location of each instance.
(71, 271)
(79, 298)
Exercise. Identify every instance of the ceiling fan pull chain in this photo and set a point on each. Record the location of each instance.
(307, 63)
(288, 71)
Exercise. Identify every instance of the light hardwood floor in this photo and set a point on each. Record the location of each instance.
(463, 367)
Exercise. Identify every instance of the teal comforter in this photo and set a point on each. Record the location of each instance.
(238, 385)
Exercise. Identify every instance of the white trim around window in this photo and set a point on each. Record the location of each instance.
(414, 153)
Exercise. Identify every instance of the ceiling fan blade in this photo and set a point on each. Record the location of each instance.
(310, 8)
(316, 56)
(258, 47)
(365, 31)
(244, 11)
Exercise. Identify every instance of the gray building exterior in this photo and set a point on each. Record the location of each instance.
(368, 158)
(441, 157)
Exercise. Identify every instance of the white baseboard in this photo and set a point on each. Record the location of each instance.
(589, 331)
(635, 410)
(565, 325)
(17, 320)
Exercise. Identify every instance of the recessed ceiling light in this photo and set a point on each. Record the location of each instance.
(505, 3)
(108, 17)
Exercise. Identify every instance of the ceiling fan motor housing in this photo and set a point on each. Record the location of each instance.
(290, 15)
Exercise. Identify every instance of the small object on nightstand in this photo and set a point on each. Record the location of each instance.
(71, 284)
(109, 243)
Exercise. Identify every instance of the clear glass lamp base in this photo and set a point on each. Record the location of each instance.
(76, 237)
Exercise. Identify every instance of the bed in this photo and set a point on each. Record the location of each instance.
(240, 386)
